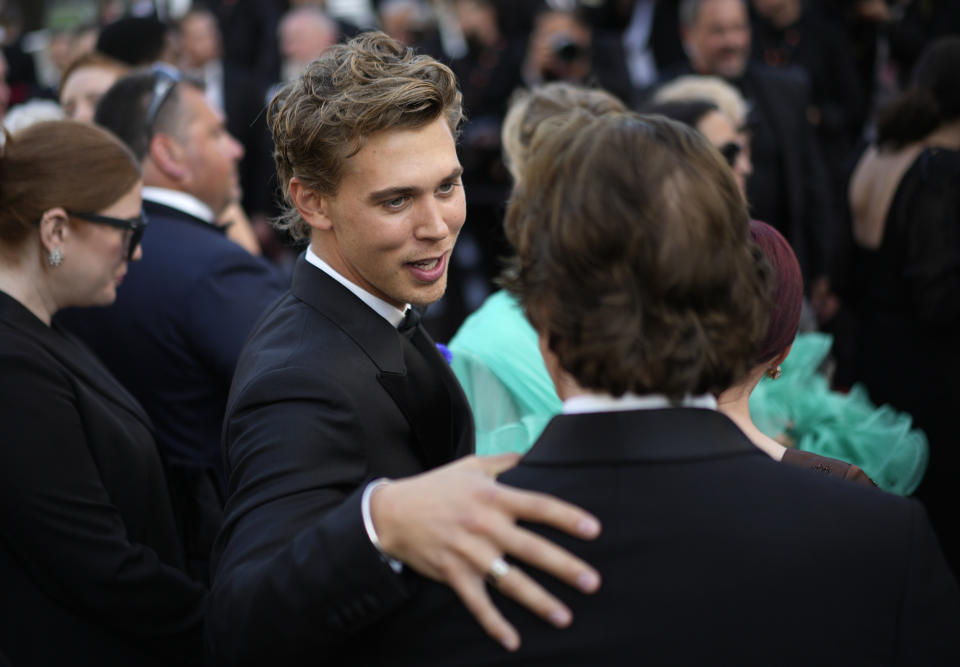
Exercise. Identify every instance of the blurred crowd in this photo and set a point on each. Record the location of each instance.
(827, 130)
(812, 72)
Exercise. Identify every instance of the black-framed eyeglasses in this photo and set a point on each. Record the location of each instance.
(133, 228)
(165, 79)
(730, 152)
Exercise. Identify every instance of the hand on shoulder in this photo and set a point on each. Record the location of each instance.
(454, 523)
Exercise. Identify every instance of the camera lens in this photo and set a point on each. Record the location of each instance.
(566, 49)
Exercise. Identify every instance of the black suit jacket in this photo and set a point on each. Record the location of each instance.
(322, 402)
(90, 561)
(175, 332)
(711, 554)
(172, 338)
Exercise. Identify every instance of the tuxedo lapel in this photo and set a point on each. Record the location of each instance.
(410, 371)
(460, 434)
(423, 393)
(426, 412)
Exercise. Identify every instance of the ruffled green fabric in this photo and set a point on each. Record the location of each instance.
(497, 360)
(848, 427)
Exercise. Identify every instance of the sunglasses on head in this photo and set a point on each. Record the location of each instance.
(164, 80)
(730, 152)
(133, 228)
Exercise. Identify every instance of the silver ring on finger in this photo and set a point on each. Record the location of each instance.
(498, 569)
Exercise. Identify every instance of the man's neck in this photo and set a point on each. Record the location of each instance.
(386, 310)
(786, 16)
(179, 200)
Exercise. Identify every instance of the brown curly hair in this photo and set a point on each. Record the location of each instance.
(634, 256)
(370, 84)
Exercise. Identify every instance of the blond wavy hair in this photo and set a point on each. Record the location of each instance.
(370, 84)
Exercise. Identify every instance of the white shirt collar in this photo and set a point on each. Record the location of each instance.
(385, 310)
(180, 201)
(606, 403)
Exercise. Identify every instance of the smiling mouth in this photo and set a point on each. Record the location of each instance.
(426, 264)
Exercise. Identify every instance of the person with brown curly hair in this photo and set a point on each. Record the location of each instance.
(635, 266)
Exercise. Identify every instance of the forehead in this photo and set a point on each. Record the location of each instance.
(197, 23)
(95, 77)
(198, 110)
(714, 12)
(716, 128)
(416, 157)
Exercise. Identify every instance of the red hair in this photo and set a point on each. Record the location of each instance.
(787, 293)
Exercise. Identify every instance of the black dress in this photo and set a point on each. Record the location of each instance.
(90, 558)
(905, 298)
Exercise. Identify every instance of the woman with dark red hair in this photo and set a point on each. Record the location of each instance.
(845, 424)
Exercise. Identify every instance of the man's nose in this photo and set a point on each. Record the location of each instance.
(432, 224)
(235, 148)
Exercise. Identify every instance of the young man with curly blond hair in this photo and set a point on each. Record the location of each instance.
(340, 391)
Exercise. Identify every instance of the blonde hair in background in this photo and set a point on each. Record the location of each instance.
(529, 108)
(710, 88)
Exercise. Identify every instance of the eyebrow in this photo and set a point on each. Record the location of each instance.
(403, 190)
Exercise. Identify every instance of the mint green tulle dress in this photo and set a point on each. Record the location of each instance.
(498, 362)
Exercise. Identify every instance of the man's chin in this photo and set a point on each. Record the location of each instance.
(424, 297)
(732, 69)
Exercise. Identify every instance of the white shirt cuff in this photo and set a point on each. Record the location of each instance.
(395, 565)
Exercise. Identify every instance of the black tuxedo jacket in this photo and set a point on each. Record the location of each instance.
(711, 554)
(173, 337)
(90, 560)
(327, 396)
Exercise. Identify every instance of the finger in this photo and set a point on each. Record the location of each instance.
(518, 585)
(494, 465)
(542, 508)
(471, 590)
(535, 550)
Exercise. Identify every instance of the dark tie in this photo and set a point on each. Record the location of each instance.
(409, 322)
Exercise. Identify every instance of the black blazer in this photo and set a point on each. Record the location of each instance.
(90, 561)
(172, 338)
(711, 554)
(325, 398)
(175, 332)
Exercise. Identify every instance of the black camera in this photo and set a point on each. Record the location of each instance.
(566, 49)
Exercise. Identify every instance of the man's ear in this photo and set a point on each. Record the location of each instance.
(54, 229)
(169, 156)
(312, 206)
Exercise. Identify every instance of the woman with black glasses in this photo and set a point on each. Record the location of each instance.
(90, 558)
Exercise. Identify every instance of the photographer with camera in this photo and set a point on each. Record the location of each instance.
(564, 47)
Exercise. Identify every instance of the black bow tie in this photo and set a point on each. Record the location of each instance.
(410, 321)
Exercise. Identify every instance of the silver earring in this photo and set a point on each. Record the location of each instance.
(55, 257)
(775, 373)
